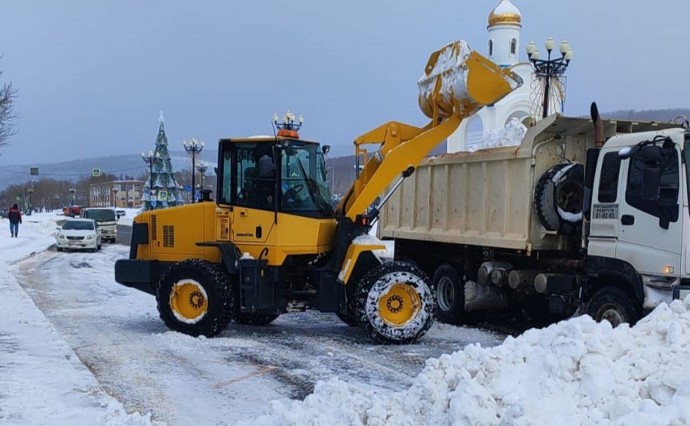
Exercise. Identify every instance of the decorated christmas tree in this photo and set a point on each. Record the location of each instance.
(161, 190)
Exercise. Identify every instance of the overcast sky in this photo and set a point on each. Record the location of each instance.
(92, 75)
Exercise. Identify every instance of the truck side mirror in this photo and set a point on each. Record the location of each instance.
(651, 175)
(651, 154)
(651, 181)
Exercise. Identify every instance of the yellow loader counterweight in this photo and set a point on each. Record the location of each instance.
(272, 242)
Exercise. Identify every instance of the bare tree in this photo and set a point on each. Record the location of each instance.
(7, 114)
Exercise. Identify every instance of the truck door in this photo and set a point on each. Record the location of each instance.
(605, 216)
(649, 231)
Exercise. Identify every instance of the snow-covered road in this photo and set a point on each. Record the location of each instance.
(115, 331)
(78, 349)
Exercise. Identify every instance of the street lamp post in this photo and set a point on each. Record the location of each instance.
(193, 147)
(115, 200)
(149, 158)
(548, 69)
(30, 191)
(73, 192)
(201, 168)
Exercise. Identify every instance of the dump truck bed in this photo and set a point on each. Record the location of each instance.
(486, 197)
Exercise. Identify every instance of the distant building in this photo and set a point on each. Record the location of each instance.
(504, 27)
(118, 193)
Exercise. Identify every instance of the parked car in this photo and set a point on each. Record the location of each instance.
(120, 212)
(72, 211)
(78, 234)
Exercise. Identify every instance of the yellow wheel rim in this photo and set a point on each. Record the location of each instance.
(399, 305)
(188, 301)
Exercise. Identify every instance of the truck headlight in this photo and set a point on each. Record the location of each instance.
(61, 237)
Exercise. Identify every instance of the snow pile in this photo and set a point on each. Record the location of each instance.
(43, 380)
(511, 135)
(575, 372)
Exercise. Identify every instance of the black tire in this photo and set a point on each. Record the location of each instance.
(195, 297)
(394, 304)
(558, 198)
(349, 316)
(348, 319)
(613, 305)
(254, 319)
(450, 295)
(59, 248)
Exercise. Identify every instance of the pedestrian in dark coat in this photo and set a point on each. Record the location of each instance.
(15, 217)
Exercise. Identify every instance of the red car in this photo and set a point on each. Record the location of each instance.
(72, 211)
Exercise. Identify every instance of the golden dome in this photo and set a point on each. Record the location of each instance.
(505, 13)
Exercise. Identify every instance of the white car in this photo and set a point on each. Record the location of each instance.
(79, 234)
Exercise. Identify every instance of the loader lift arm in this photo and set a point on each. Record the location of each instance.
(456, 83)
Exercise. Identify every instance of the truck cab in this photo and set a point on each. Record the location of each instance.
(106, 220)
(639, 221)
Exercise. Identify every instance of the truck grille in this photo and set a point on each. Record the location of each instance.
(168, 236)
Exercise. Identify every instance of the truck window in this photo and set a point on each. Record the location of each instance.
(608, 183)
(667, 205)
(100, 215)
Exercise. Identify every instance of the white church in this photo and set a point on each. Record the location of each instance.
(505, 25)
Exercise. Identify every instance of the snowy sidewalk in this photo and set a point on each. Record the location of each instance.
(42, 381)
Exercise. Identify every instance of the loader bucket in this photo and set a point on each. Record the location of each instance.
(458, 81)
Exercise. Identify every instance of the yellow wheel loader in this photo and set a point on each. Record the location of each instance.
(272, 242)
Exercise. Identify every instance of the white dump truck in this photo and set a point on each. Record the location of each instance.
(572, 220)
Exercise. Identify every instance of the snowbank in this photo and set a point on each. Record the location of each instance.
(43, 380)
(575, 372)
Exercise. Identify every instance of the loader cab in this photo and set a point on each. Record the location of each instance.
(274, 174)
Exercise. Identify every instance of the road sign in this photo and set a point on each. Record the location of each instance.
(34, 171)
(95, 172)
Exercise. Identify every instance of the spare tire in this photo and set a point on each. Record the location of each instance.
(558, 198)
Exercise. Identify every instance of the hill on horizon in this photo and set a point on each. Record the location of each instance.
(341, 166)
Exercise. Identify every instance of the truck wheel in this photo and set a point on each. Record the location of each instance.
(558, 198)
(613, 305)
(194, 297)
(394, 303)
(254, 319)
(450, 295)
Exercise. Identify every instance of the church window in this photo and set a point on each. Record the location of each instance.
(491, 47)
(513, 47)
